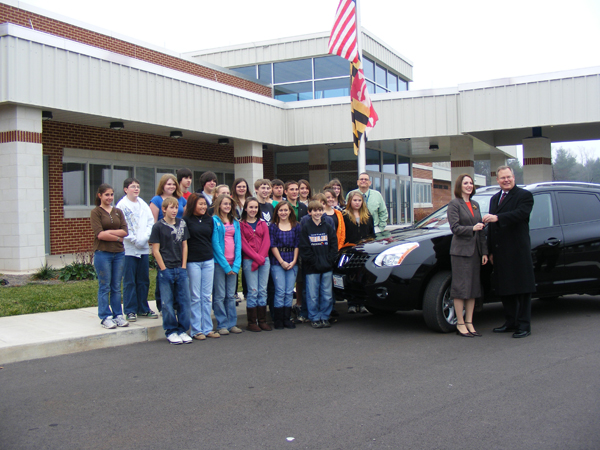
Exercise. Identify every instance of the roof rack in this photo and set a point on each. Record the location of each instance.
(564, 183)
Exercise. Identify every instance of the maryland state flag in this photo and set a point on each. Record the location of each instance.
(343, 42)
(364, 116)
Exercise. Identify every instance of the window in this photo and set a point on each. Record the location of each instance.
(369, 68)
(422, 193)
(74, 185)
(331, 66)
(578, 207)
(389, 162)
(264, 73)
(380, 76)
(82, 178)
(392, 82)
(249, 71)
(294, 91)
(338, 87)
(372, 160)
(298, 70)
(541, 214)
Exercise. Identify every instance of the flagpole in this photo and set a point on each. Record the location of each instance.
(362, 157)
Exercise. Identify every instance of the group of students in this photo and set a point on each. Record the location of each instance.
(281, 238)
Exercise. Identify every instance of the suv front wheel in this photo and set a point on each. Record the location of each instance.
(438, 306)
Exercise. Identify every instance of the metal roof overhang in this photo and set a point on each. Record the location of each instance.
(91, 86)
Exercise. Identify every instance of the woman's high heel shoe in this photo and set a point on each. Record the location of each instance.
(472, 333)
(467, 334)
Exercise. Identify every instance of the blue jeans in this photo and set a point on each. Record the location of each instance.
(201, 276)
(257, 283)
(174, 284)
(109, 270)
(319, 295)
(136, 281)
(284, 281)
(224, 290)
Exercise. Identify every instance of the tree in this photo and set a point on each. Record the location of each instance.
(515, 165)
(565, 166)
(589, 170)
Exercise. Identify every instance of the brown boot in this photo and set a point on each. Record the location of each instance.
(262, 318)
(252, 326)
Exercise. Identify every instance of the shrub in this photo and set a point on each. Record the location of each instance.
(80, 269)
(46, 272)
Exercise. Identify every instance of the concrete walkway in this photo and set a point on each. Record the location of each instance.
(40, 335)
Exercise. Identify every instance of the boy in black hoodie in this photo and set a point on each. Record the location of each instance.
(318, 250)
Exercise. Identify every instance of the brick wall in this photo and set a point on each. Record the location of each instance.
(75, 235)
(422, 173)
(268, 165)
(441, 194)
(47, 25)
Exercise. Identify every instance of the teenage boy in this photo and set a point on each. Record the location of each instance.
(208, 183)
(263, 188)
(136, 279)
(169, 247)
(291, 193)
(277, 191)
(184, 178)
(318, 250)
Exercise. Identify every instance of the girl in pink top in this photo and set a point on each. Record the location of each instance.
(255, 264)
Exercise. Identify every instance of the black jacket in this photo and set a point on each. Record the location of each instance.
(508, 242)
(355, 232)
(318, 247)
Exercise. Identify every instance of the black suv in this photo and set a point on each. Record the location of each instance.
(409, 268)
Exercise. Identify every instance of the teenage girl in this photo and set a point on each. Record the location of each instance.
(110, 228)
(359, 224)
(240, 193)
(340, 203)
(304, 192)
(255, 264)
(285, 239)
(227, 251)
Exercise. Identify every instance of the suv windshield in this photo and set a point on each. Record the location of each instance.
(439, 219)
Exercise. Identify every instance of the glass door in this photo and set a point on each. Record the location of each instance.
(404, 206)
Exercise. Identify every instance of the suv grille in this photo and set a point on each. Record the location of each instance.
(352, 260)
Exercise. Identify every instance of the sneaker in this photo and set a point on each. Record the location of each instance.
(149, 315)
(199, 337)
(351, 309)
(185, 338)
(131, 317)
(317, 324)
(325, 323)
(235, 330)
(213, 335)
(363, 310)
(108, 323)
(121, 322)
(223, 331)
(174, 339)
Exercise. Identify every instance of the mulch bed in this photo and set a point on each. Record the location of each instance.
(20, 280)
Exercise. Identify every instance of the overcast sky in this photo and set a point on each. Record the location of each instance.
(448, 42)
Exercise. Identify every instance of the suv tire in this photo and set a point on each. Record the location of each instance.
(438, 307)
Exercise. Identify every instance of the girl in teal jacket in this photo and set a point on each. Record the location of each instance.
(227, 248)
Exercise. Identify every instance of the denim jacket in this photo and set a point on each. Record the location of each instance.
(218, 241)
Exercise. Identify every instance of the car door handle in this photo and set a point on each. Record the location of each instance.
(552, 242)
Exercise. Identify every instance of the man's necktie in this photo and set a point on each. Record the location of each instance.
(502, 197)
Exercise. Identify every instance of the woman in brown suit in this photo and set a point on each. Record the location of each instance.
(468, 252)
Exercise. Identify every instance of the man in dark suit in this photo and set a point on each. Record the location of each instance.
(510, 252)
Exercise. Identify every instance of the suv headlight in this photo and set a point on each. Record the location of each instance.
(395, 255)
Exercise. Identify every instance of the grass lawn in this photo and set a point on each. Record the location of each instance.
(34, 298)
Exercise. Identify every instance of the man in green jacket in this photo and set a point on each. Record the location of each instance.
(374, 199)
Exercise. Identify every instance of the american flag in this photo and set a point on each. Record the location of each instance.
(343, 42)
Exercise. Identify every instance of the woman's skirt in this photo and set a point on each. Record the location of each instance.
(466, 283)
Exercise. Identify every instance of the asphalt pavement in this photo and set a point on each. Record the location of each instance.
(367, 382)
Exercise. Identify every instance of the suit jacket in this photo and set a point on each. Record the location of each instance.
(509, 243)
(464, 240)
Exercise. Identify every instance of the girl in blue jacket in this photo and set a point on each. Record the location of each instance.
(227, 248)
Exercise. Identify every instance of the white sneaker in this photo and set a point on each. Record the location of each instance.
(185, 338)
(121, 322)
(174, 338)
(108, 323)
